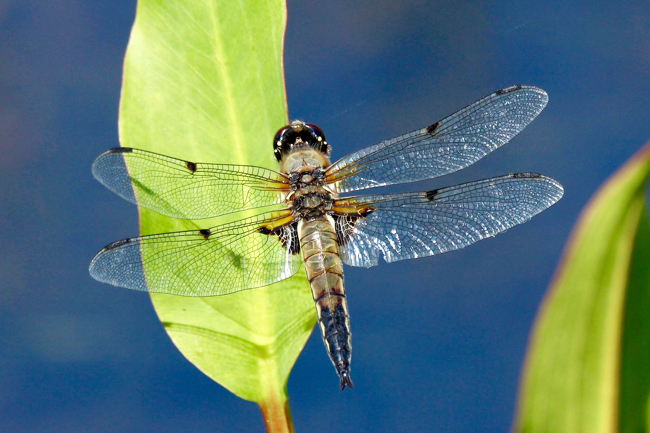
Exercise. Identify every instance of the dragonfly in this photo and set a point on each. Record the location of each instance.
(315, 224)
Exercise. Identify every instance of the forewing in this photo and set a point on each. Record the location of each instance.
(209, 262)
(412, 225)
(444, 147)
(183, 189)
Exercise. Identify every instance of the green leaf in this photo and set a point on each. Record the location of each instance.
(587, 368)
(203, 82)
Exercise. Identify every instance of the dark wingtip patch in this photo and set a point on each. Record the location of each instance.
(431, 195)
(431, 130)
(526, 175)
(191, 166)
(120, 150)
(118, 244)
(205, 233)
(509, 89)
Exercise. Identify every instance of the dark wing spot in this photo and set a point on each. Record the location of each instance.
(431, 195)
(431, 130)
(366, 211)
(205, 233)
(265, 230)
(191, 166)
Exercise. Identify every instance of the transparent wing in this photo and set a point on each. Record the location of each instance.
(183, 189)
(412, 225)
(444, 147)
(209, 262)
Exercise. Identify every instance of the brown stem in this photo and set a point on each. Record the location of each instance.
(277, 414)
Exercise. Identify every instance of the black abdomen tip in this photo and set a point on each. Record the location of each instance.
(346, 380)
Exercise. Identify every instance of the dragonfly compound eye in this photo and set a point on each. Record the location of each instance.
(299, 132)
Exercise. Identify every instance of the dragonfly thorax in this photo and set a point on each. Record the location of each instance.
(307, 177)
(311, 201)
(303, 159)
(309, 197)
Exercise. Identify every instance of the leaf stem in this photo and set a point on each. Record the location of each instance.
(277, 414)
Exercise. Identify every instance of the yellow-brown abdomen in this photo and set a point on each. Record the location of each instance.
(320, 251)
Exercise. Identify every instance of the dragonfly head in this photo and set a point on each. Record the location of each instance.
(299, 134)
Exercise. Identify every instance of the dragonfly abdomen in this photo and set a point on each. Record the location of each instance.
(320, 251)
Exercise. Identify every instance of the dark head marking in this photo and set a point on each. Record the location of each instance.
(298, 134)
